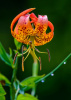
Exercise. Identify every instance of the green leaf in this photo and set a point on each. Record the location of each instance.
(2, 92)
(2, 98)
(5, 56)
(17, 44)
(4, 80)
(29, 82)
(26, 96)
(10, 52)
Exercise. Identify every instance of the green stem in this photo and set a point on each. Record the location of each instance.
(12, 90)
(34, 71)
(54, 69)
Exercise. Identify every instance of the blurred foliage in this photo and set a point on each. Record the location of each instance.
(2, 93)
(4, 80)
(26, 96)
(5, 56)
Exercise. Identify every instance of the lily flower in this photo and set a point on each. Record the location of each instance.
(24, 31)
(31, 30)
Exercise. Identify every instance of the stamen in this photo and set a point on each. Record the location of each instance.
(15, 57)
(35, 55)
(22, 58)
(30, 43)
(39, 51)
(27, 54)
(24, 52)
(22, 63)
(48, 55)
(40, 62)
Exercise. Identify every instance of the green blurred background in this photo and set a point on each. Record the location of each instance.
(57, 87)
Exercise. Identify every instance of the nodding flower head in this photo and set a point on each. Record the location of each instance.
(29, 26)
(31, 30)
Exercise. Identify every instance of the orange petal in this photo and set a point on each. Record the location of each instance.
(23, 26)
(41, 25)
(51, 26)
(33, 18)
(23, 29)
(18, 16)
(41, 40)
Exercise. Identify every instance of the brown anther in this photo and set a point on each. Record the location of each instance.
(40, 62)
(48, 55)
(22, 63)
(15, 57)
(37, 35)
(22, 50)
(30, 43)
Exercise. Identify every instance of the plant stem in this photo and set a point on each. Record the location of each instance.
(34, 71)
(54, 69)
(12, 90)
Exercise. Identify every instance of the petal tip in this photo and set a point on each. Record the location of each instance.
(33, 8)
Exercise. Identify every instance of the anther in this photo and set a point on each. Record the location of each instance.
(48, 55)
(22, 50)
(40, 62)
(22, 63)
(22, 58)
(30, 43)
(15, 57)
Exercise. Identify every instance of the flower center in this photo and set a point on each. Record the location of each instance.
(32, 42)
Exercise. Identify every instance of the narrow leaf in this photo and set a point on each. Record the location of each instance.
(5, 56)
(17, 44)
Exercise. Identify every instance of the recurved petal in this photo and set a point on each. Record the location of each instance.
(42, 19)
(41, 40)
(23, 26)
(33, 18)
(23, 29)
(41, 25)
(19, 15)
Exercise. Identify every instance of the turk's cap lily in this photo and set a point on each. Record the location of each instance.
(29, 25)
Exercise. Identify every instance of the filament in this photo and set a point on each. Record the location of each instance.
(35, 55)
(48, 55)
(15, 57)
(27, 54)
(39, 51)
(24, 52)
(40, 62)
